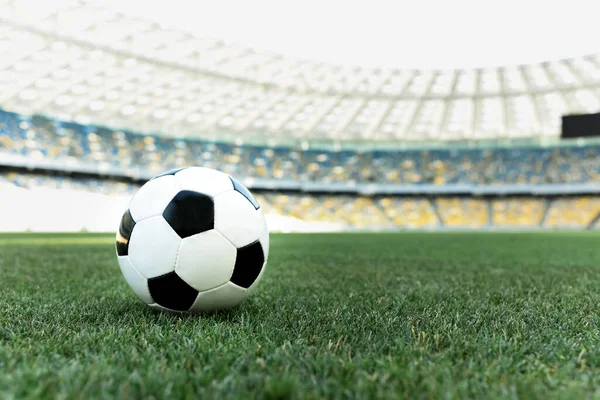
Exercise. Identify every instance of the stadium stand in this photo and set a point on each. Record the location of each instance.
(518, 212)
(410, 212)
(463, 212)
(333, 147)
(41, 138)
(73, 198)
(572, 213)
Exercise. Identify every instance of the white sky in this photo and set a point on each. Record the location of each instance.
(403, 34)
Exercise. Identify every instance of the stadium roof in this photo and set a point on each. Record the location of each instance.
(76, 60)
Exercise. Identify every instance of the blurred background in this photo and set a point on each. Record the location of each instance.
(337, 115)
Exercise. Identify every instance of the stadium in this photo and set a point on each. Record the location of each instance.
(432, 230)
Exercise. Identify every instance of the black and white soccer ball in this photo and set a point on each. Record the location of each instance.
(193, 239)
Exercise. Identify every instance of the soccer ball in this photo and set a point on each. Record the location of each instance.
(193, 239)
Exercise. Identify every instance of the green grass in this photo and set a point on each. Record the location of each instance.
(470, 315)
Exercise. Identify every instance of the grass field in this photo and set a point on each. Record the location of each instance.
(337, 315)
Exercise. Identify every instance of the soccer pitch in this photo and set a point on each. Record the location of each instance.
(425, 315)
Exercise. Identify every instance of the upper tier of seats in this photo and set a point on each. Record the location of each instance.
(43, 138)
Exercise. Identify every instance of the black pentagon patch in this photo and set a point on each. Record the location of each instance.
(124, 234)
(171, 172)
(190, 213)
(244, 192)
(248, 263)
(170, 291)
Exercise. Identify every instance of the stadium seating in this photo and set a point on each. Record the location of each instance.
(463, 212)
(41, 138)
(518, 212)
(302, 211)
(410, 212)
(572, 212)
